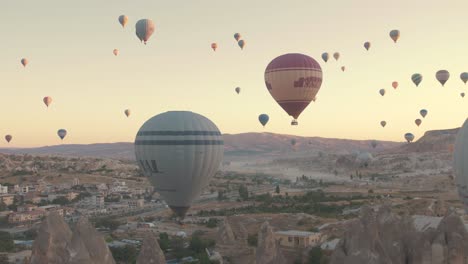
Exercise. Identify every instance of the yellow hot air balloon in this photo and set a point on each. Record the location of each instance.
(123, 19)
(47, 101)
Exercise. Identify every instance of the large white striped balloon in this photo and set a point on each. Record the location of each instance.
(180, 152)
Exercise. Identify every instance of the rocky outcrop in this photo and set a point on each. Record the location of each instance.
(88, 246)
(150, 252)
(53, 238)
(225, 234)
(384, 238)
(268, 249)
(56, 244)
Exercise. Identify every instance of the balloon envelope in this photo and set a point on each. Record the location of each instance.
(47, 100)
(214, 46)
(336, 55)
(464, 77)
(325, 56)
(123, 19)
(241, 43)
(409, 137)
(442, 76)
(238, 89)
(144, 28)
(237, 36)
(383, 123)
(416, 78)
(395, 85)
(127, 112)
(395, 35)
(367, 45)
(364, 159)
(374, 143)
(8, 138)
(460, 166)
(24, 62)
(62, 133)
(293, 80)
(382, 92)
(179, 151)
(293, 141)
(116, 52)
(418, 122)
(343, 68)
(462, 95)
(423, 113)
(263, 118)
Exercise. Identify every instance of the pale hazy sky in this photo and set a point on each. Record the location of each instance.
(69, 45)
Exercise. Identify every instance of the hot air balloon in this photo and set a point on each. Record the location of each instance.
(383, 123)
(263, 118)
(238, 89)
(214, 46)
(374, 143)
(395, 85)
(116, 52)
(314, 99)
(382, 92)
(47, 101)
(464, 77)
(423, 113)
(442, 76)
(364, 159)
(367, 45)
(395, 35)
(336, 55)
(144, 28)
(127, 112)
(237, 36)
(343, 68)
(241, 43)
(325, 56)
(462, 95)
(293, 80)
(62, 133)
(416, 78)
(123, 19)
(24, 61)
(418, 122)
(8, 138)
(460, 166)
(409, 137)
(293, 142)
(179, 151)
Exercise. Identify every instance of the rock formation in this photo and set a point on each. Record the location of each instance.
(268, 250)
(53, 238)
(150, 252)
(385, 238)
(225, 234)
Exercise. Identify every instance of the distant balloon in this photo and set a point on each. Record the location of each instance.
(293, 80)
(336, 55)
(460, 166)
(238, 89)
(364, 159)
(382, 92)
(367, 45)
(116, 52)
(383, 123)
(343, 68)
(293, 142)
(442, 76)
(462, 95)
(418, 122)
(314, 99)
(464, 77)
(374, 143)
(325, 56)
(423, 113)
(416, 78)
(62, 133)
(144, 28)
(127, 112)
(237, 36)
(24, 61)
(8, 138)
(214, 46)
(395, 35)
(409, 137)
(241, 43)
(123, 19)
(263, 118)
(179, 151)
(395, 85)
(47, 100)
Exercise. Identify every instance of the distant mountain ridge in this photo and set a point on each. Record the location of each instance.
(236, 145)
(433, 141)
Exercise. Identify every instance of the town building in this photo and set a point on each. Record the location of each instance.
(297, 239)
(7, 199)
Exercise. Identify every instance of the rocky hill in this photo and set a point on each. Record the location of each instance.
(432, 141)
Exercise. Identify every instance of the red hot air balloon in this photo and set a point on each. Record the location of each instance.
(214, 46)
(418, 122)
(24, 62)
(293, 80)
(47, 101)
(394, 85)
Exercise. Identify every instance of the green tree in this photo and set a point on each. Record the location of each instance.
(4, 259)
(61, 200)
(6, 242)
(3, 206)
(164, 242)
(107, 222)
(243, 192)
(212, 223)
(277, 190)
(315, 256)
(252, 240)
(127, 254)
